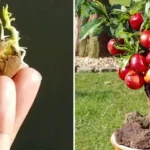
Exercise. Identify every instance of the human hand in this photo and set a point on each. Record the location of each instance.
(16, 98)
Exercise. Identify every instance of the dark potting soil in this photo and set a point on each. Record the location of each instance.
(135, 132)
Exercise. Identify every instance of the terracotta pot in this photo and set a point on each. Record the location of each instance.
(119, 147)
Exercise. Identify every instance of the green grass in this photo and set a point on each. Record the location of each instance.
(122, 2)
(100, 108)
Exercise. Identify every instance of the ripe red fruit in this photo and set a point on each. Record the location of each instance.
(122, 72)
(148, 58)
(145, 38)
(138, 63)
(136, 20)
(147, 76)
(112, 50)
(121, 40)
(134, 80)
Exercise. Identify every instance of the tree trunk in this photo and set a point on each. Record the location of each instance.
(92, 48)
(103, 40)
(76, 32)
(81, 50)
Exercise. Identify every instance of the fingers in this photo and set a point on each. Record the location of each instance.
(27, 83)
(7, 111)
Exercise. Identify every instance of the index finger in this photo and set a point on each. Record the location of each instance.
(7, 111)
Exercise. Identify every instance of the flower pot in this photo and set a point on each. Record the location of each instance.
(120, 147)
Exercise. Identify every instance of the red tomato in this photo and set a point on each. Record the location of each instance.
(138, 63)
(122, 72)
(147, 76)
(136, 20)
(134, 80)
(145, 38)
(121, 40)
(148, 58)
(112, 50)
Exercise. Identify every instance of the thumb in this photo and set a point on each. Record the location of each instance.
(7, 111)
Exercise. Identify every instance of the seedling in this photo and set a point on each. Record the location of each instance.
(11, 53)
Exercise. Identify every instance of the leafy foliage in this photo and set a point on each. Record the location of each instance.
(115, 21)
(84, 8)
(92, 27)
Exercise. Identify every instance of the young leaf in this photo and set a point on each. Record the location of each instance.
(124, 48)
(102, 7)
(139, 6)
(85, 11)
(133, 2)
(124, 61)
(99, 8)
(78, 4)
(91, 27)
(146, 16)
(99, 30)
(120, 28)
(147, 9)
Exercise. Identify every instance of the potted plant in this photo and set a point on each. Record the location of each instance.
(129, 29)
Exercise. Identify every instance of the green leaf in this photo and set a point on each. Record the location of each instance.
(147, 9)
(124, 48)
(134, 2)
(137, 6)
(130, 39)
(146, 23)
(91, 27)
(78, 4)
(119, 29)
(95, 9)
(112, 31)
(85, 11)
(103, 8)
(125, 60)
(124, 17)
(99, 8)
(137, 42)
(120, 8)
(99, 30)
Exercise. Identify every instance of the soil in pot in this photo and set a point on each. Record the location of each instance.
(135, 132)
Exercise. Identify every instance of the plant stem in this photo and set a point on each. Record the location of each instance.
(147, 91)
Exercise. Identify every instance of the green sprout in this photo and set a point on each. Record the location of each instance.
(13, 41)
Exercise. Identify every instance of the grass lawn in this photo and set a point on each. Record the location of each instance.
(101, 103)
(122, 2)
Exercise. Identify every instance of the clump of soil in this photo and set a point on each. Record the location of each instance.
(135, 132)
(9, 65)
